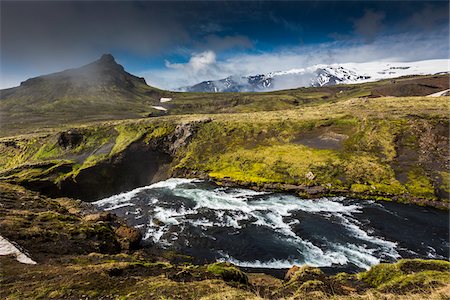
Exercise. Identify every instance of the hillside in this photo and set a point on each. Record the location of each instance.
(394, 148)
(103, 90)
(347, 140)
(99, 90)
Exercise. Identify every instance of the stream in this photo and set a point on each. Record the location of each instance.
(265, 230)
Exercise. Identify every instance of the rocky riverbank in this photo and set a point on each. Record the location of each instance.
(390, 149)
(81, 253)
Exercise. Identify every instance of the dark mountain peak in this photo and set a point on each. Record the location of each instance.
(106, 63)
(102, 73)
(107, 59)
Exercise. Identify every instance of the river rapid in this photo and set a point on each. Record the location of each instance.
(276, 231)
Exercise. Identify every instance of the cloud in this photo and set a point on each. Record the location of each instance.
(200, 65)
(206, 65)
(210, 27)
(220, 43)
(429, 17)
(42, 34)
(39, 37)
(197, 64)
(369, 25)
(292, 26)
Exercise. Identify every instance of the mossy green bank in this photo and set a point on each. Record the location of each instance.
(388, 148)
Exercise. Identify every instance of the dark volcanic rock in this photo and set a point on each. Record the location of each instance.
(70, 139)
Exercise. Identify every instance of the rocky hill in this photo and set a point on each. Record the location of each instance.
(99, 90)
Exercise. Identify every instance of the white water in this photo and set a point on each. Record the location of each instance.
(234, 209)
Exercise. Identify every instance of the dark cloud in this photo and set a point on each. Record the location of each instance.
(219, 43)
(369, 25)
(211, 27)
(46, 36)
(67, 28)
(430, 17)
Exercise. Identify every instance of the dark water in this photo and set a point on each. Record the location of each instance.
(275, 231)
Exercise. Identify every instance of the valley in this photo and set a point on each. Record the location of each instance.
(120, 190)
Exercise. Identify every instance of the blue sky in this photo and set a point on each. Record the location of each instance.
(174, 43)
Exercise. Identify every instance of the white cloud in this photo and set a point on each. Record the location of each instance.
(197, 63)
(206, 65)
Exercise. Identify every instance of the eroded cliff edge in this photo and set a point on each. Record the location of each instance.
(388, 148)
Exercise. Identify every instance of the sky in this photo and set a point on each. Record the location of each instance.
(179, 43)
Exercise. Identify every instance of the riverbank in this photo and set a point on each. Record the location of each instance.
(80, 253)
(388, 148)
(278, 230)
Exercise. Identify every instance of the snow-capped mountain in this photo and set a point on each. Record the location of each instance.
(321, 75)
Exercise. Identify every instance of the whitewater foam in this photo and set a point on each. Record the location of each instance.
(183, 210)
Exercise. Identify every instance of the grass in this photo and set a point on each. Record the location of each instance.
(408, 276)
(50, 104)
(269, 147)
(227, 272)
(419, 184)
(275, 164)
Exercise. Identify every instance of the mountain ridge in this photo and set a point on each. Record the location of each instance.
(99, 90)
(320, 75)
(104, 70)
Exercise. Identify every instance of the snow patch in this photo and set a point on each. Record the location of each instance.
(159, 108)
(440, 94)
(7, 248)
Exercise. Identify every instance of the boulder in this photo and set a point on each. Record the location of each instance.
(129, 238)
(70, 139)
(291, 272)
(102, 216)
(228, 272)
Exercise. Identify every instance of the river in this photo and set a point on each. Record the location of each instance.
(275, 231)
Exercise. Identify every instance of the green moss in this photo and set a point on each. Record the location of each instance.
(37, 172)
(416, 265)
(51, 150)
(146, 264)
(420, 281)
(392, 188)
(50, 215)
(282, 163)
(407, 275)
(94, 137)
(343, 277)
(377, 137)
(159, 131)
(360, 188)
(307, 273)
(380, 274)
(420, 185)
(128, 133)
(445, 177)
(365, 168)
(228, 272)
